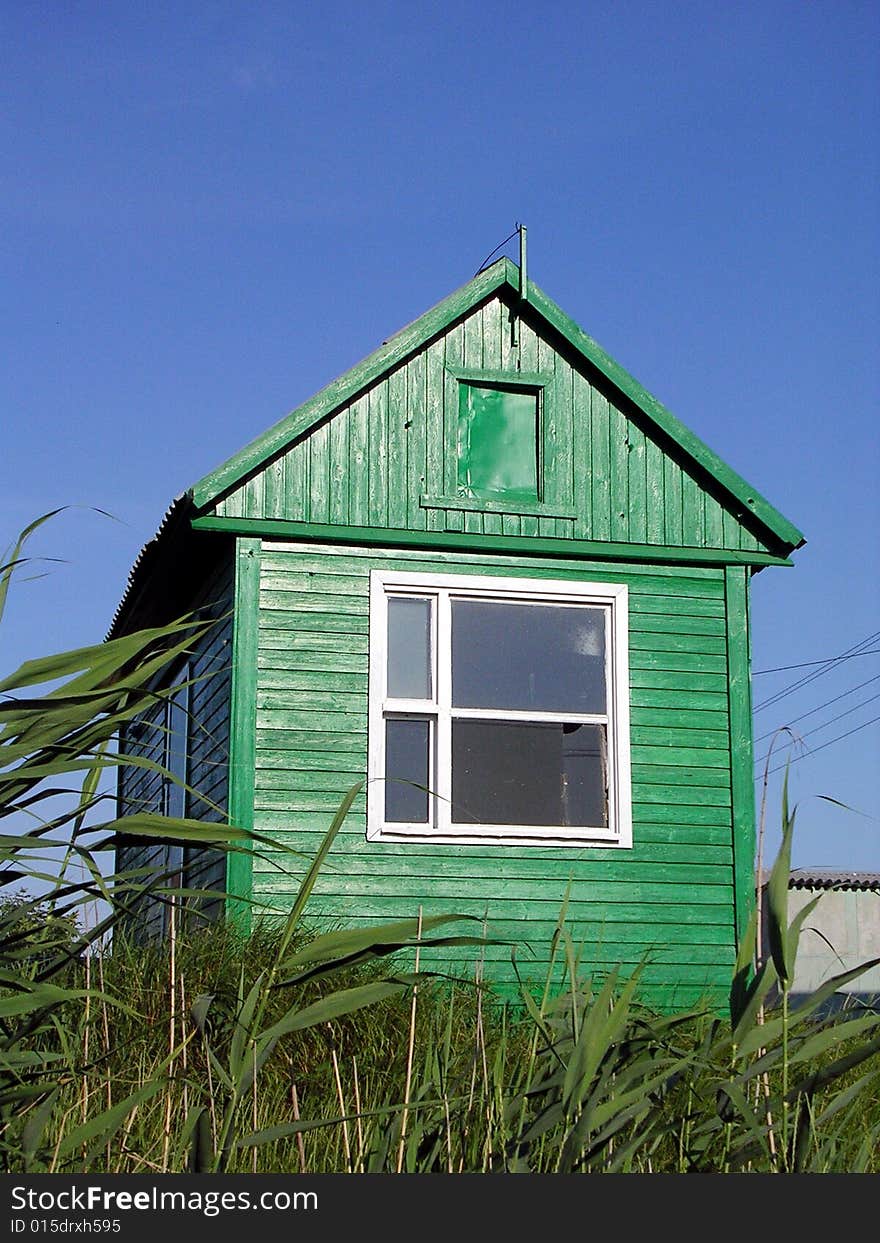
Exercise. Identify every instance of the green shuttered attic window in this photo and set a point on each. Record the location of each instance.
(498, 711)
(498, 443)
(495, 448)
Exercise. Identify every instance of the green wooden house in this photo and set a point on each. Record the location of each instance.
(486, 571)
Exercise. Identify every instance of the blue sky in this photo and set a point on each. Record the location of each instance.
(208, 211)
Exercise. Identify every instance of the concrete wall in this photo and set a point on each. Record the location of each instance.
(850, 920)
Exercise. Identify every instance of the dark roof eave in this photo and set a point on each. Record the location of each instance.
(175, 519)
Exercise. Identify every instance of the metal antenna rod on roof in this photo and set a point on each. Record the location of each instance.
(523, 274)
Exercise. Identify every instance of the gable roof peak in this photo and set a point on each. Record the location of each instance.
(502, 275)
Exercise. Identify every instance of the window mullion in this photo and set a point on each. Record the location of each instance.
(540, 718)
(408, 707)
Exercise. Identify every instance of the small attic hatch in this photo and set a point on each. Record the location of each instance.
(498, 454)
(497, 447)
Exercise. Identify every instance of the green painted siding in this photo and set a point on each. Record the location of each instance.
(383, 461)
(742, 755)
(670, 899)
(243, 718)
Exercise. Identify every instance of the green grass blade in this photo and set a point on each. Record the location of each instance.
(740, 991)
(344, 942)
(336, 1005)
(105, 1125)
(14, 559)
(777, 896)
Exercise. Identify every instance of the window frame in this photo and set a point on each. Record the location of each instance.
(613, 598)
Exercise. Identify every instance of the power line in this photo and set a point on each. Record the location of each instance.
(872, 651)
(841, 715)
(830, 742)
(811, 677)
(831, 721)
(826, 704)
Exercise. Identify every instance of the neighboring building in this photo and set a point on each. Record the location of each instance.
(841, 933)
(485, 563)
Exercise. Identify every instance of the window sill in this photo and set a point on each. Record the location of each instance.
(472, 504)
(503, 836)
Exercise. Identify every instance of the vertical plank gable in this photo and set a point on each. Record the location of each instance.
(371, 463)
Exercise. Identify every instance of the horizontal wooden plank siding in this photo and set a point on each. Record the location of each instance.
(379, 460)
(208, 760)
(667, 901)
(139, 789)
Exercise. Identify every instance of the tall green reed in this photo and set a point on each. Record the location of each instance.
(60, 717)
(293, 1050)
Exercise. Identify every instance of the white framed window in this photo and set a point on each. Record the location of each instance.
(498, 710)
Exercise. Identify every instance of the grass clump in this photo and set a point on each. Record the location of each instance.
(584, 1081)
(324, 1052)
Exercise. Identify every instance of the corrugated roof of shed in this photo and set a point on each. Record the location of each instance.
(822, 878)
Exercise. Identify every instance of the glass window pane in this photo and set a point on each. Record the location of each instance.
(406, 762)
(409, 648)
(525, 657)
(529, 773)
(497, 449)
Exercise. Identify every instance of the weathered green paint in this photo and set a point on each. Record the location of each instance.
(672, 894)
(509, 506)
(242, 736)
(665, 421)
(741, 745)
(523, 263)
(705, 503)
(344, 389)
(602, 493)
(496, 456)
(512, 545)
